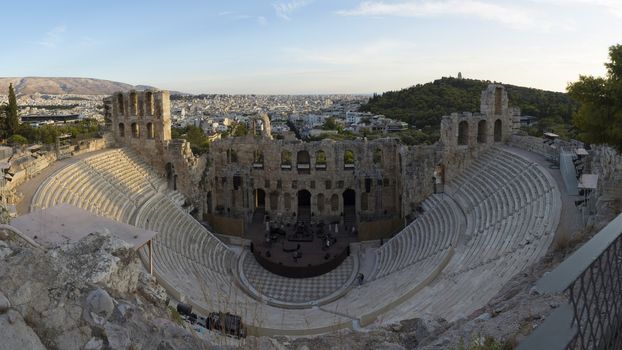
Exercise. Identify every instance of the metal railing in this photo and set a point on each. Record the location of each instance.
(591, 278)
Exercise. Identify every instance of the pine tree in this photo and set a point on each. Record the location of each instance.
(12, 121)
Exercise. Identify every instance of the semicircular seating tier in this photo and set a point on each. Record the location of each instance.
(512, 206)
(497, 217)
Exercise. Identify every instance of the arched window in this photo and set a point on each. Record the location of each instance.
(463, 133)
(133, 103)
(121, 130)
(150, 132)
(286, 160)
(157, 108)
(498, 130)
(135, 130)
(149, 103)
(258, 159)
(377, 156)
(348, 159)
(320, 202)
(232, 156)
(320, 160)
(303, 161)
(334, 203)
(274, 201)
(481, 131)
(120, 104)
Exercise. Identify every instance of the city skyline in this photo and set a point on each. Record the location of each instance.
(311, 46)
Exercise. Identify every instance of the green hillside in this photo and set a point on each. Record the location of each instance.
(423, 105)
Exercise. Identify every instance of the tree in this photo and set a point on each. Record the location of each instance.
(599, 119)
(17, 140)
(331, 124)
(199, 142)
(423, 105)
(239, 129)
(3, 131)
(12, 121)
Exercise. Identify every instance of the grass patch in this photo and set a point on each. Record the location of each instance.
(175, 316)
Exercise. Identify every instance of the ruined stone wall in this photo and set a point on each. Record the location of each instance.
(91, 145)
(606, 162)
(242, 170)
(26, 165)
(141, 120)
(465, 135)
(417, 164)
(384, 178)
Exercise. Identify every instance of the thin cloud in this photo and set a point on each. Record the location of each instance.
(612, 6)
(512, 16)
(284, 10)
(235, 16)
(53, 37)
(262, 21)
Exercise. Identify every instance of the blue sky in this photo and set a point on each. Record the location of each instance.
(309, 46)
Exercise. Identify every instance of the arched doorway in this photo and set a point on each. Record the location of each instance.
(260, 198)
(304, 205)
(349, 198)
(349, 208)
(498, 131)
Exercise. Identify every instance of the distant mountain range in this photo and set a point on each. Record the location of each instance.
(57, 86)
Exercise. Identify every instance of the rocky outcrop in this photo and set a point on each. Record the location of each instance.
(93, 294)
(15, 333)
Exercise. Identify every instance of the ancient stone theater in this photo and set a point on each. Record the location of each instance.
(303, 238)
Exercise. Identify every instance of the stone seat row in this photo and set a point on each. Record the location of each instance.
(504, 215)
(430, 233)
(512, 208)
(181, 233)
(108, 185)
(116, 168)
(78, 186)
(378, 293)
